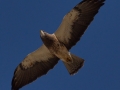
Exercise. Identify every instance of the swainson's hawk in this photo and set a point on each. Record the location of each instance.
(57, 45)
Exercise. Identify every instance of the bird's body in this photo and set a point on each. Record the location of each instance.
(56, 46)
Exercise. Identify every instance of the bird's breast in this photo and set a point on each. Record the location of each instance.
(59, 50)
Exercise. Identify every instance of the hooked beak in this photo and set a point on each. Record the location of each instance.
(42, 33)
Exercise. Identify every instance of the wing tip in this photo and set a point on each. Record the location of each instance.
(40, 68)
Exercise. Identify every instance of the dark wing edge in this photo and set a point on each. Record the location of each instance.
(76, 21)
(23, 75)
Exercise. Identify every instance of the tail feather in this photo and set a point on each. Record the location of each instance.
(74, 66)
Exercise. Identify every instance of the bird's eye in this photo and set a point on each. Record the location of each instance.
(58, 45)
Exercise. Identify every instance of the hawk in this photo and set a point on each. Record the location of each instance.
(56, 46)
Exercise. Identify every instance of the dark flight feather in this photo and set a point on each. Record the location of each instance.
(74, 25)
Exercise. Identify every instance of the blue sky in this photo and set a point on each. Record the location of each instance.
(20, 23)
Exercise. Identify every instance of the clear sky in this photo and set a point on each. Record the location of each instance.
(20, 24)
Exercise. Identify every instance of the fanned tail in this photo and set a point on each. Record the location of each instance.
(74, 66)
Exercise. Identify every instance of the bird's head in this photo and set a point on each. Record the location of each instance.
(43, 34)
(46, 37)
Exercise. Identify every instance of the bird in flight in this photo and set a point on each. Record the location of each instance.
(56, 46)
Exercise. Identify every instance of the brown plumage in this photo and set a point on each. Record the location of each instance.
(56, 46)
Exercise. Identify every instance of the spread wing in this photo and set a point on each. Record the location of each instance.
(76, 21)
(33, 66)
